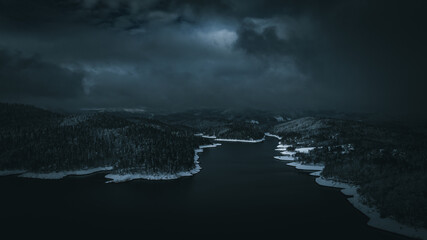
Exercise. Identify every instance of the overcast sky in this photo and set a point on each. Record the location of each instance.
(308, 55)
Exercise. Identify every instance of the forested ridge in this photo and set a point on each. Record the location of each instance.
(42, 141)
(387, 161)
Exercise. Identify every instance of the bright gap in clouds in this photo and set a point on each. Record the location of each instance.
(222, 38)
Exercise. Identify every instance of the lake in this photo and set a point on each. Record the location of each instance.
(241, 192)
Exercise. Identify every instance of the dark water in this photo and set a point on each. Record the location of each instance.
(241, 192)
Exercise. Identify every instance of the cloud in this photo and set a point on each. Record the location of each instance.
(29, 78)
(342, 55)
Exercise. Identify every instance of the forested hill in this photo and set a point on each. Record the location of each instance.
(42, 141)
(388, 161)
(14, 116)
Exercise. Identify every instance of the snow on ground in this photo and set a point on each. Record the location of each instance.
(11, 172)
(285, 158)
(116, 178)
(74, 120)
(207, 136)
(204, 136)
(304, 149)
(254, 121)
(307, 167)
(282, 147)
(210, 146)
(62, 174)
(331, 183)
(279, 118)
(287, 153)
(240, 140)
(317, 173)
(375, 220)
(272, 135)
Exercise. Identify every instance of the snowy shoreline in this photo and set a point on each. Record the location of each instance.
(375, 220)
(4, 173)
(236, 140)
(117, 178)
(204, 136)
(239, 140)
(272, 135)
(62, 174)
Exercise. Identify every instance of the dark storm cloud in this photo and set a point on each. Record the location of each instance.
(29, 77)
(343, 55)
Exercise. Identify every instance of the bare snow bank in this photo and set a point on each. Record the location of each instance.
(240, 140)
(307, 167)
(285, 158)
(62, 174)
(304, 149)
(210, 146)
(290, 155)
(272, 135)
(316, 174)
(287, 153)
(11, 172)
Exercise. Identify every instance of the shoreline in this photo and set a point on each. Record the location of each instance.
(62, 174)
(240, 140)
(273, 135)
(236, 140)
(375, 220)
(4, 173)
(130, 176)
(118, 178)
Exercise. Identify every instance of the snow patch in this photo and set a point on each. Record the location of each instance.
(272, 135)
(279, 118)
(208, 136)
(287, 153)
(282, 147)
(204, 136)
(254, 122)
(74, 120)
(304, 149)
